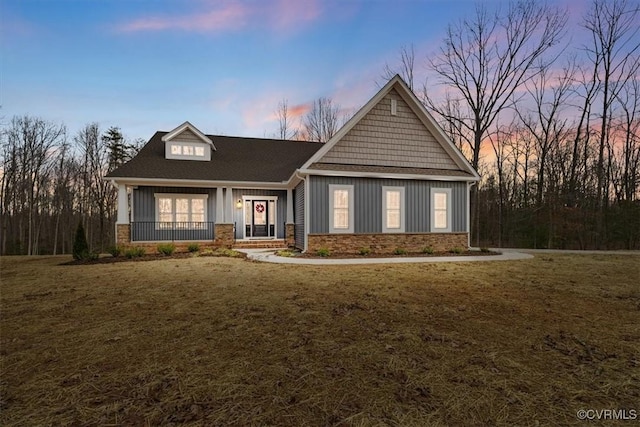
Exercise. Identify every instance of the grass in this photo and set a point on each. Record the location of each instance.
(225, 341)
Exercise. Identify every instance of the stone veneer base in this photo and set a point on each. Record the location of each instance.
(387, 243)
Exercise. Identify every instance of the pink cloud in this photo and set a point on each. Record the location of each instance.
(230, 16)
(281, 16)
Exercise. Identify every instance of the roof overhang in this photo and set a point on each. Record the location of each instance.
(197, 183)
(421, 177)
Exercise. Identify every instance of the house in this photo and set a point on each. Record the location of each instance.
(389, 178)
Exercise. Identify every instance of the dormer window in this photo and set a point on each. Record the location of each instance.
(188, 143)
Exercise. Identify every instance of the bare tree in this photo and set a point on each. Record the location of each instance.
(485, 59)
(405, 67)
(614, 28)
(322, 122)
(286, 130)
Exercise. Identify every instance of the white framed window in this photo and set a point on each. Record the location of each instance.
(187, 211)
(441, 209)
(178, 150)
(393, 209)
(341, 208)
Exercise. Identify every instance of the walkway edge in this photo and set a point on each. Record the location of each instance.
(268, 255)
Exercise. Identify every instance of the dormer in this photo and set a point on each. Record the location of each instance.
(186, 142)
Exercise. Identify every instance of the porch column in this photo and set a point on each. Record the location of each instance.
(228, 206)
(290, 206)
(123, 227)
(123, 205)
(219, 206)
(290, 228)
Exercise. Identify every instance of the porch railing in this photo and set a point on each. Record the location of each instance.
(145, 231)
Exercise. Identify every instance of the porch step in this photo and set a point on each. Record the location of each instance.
(260, 244)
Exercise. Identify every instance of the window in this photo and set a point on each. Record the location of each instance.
(441, 209)
(184, 150)
(393, 209)
(341, 208)
(185, 210)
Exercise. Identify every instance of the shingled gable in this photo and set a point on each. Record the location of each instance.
(393, 135)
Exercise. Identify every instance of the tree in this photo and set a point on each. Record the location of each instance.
(80, 245)
(485, 59)
(405, 68)
(322, 122)
(117, 147)
(285, 127)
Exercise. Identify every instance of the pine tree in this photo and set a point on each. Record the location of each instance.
(80, 246)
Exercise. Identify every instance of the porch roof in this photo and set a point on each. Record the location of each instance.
(236, 159)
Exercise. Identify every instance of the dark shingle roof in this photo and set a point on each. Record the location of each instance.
(235, 159)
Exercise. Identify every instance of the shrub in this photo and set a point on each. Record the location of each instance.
(80, 246)
(115, 251)
(134, 252)
(193, 247)
(428, 250)
(400, 251)
(285, 253)
(166, 248)
(485, 250)
(364, 251)
(456, 250)
(323, 252)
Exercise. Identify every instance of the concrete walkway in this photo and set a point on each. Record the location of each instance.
(268, 255)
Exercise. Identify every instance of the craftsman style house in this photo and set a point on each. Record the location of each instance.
(390, 178)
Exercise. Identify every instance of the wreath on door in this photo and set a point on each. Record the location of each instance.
(260, 208)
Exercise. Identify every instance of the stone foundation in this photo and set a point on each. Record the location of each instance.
(123, 234)
(387, 243)
(290, 235)
(224, 235)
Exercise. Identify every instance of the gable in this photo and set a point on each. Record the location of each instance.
(186, 135)
(383, 139)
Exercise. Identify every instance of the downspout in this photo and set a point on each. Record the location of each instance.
(306, 208)
(469, 185)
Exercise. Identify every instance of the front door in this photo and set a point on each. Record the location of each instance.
(260, 215)
(259, 218)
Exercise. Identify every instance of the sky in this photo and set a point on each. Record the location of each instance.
(148, 65)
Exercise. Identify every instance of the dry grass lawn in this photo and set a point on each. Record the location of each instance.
(216, 341)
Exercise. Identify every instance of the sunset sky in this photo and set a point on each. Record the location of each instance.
(147, 65)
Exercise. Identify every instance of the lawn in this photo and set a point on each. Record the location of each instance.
(218, 341)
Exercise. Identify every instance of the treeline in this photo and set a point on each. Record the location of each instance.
(50, 182)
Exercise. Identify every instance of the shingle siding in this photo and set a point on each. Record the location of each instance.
(387, 140)
(368, 203)
(186, 136)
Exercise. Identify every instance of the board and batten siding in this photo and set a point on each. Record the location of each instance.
(367, 193)
(281, 209)
(144, 201)
(383, 139)
(298, 214)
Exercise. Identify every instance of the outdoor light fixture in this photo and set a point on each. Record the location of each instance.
(239, 204)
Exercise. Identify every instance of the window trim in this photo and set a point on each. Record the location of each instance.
(173, 197)
(350, 207)
(206, 154)
(385, 228)
(432, 210)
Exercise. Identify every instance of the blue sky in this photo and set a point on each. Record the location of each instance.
(147, 65)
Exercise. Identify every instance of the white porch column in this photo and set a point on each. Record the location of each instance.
(228, 206)
(123, 205)
(290, 206)
(219, 206)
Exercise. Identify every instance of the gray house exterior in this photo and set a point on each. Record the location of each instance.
(390, 178)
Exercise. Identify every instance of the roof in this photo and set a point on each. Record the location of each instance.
(235, 159)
